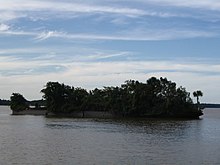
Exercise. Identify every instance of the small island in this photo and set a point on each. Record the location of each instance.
(157, 98)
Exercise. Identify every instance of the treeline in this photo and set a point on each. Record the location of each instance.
(210, 105)
(4, 102)
(156, 97)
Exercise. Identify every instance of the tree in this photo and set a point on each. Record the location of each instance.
(62, 98)
(55, 95)
(197, 94)
(18, 102)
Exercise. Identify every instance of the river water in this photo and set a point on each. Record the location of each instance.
(39, 140)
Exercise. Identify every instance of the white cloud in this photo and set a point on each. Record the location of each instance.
(97, 74)
(4, 27)
(49, 34)
(129, 35)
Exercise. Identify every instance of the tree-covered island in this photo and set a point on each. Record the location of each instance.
(155, 98)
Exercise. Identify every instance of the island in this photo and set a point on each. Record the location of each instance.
(156, 98)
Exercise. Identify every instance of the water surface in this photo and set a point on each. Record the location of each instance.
(39, 140)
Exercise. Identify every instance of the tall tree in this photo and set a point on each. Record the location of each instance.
(56, 95)
(62, 98)
(197, 94)
(18, 102)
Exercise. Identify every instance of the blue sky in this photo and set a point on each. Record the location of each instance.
(96, 43)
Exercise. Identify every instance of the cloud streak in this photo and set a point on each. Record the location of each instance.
(202, 4)
(50, 34)
(24, 5)
(110, 67)
(13, 9)
(127, 36)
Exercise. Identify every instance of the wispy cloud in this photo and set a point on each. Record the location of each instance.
(50, 34)
(203, 4)
(135, 35)
(24, 5)
(13, 9)
(120, 67)
(89, 75)
(131, 27)
(110, 67)
(100, 55)
(54, 54)
(14, 51)
(11, 32)
(9, 15)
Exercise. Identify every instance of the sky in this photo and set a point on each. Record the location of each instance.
(96, 43)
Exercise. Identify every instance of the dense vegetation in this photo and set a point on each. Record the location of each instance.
(156, 97)
(18, 102)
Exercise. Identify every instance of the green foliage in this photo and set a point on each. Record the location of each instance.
(156, 97)
(18, 102)
(62, 98)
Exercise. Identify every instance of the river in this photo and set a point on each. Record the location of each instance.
(39, 140)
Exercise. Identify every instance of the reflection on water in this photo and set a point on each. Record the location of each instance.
(38, 140)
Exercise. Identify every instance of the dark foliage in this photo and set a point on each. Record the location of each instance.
(156, 97)
(62, 98)
(18, 102)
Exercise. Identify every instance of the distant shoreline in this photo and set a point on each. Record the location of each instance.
(207, 105)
